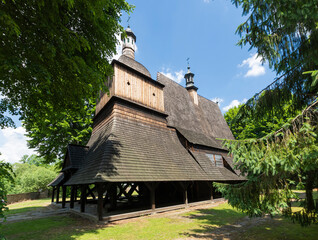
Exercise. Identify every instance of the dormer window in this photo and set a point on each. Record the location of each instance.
(216, 159)
(128, 40)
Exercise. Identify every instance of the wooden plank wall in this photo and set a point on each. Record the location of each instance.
(129, 85)
(132, 86)
(106, 96)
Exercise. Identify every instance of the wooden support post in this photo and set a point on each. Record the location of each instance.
(53, 191)
(63, 196)
(83, 197)
(100, 191)
(153, 199)
(75, 193)
(211, 192)
(184, 186)
(72, 196)
(152, 188)
(113, 196)
(185, 196)
(57, 194)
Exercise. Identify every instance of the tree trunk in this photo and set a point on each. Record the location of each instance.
(309, 187)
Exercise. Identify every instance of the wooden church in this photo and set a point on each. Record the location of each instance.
(154, 144)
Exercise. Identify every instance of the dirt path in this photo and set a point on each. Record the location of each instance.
(36, 214)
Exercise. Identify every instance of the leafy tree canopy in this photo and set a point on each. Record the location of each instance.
(285, 34)
(32, 174)
(250, 127)
(6, 175)
(53, 62)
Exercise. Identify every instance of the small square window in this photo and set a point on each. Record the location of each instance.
(216, 159)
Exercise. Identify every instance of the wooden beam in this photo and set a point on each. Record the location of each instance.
(184, 186)
(152, 188)
(113, 196)
(72, 196)
(75, 193)
(100, 192)
(57, 194)
(53, 191)
(63, 196)
(211, 192)
(90, 192)
(83, 197)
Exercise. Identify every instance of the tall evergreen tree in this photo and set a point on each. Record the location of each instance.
(285, 34)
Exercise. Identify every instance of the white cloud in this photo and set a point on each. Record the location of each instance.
(255, 66)
(234, 103)
(207, 1)
(217, 100)
(13, 144)
(176, 76)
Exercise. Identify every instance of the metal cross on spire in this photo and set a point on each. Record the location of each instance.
(128, 22)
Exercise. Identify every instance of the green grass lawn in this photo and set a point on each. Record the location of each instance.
(279, 228)
(195, 224)
(27, 206)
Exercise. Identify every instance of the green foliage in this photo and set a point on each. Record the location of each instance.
(32, 178)
(52, 132)
(285, 34)
(31, 175)
(54, 59)
(251, 127)
(6, 174)
(273, 165)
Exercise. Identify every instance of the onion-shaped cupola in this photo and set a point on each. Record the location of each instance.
(129, 43)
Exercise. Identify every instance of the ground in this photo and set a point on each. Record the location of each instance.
(204, 222)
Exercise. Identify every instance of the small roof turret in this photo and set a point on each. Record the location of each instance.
(129, 43)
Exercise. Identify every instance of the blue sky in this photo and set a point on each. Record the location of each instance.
(168, 32)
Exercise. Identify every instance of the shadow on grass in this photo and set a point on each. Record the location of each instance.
(22, 210)
(57, 227)
(210, 220)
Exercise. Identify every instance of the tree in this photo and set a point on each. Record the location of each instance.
(32, 178)
(250, 127)
(54, 59)
(6, 174)
(32, 174)
(285, 34)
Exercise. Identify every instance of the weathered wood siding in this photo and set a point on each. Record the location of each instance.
(106, 96)
(134, 87)
(127, 84)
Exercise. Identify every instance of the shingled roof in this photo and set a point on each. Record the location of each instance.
(58, 180)
(129, 151)
(204, 118)
(132, 63)
(215, 173)
(75, 156)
